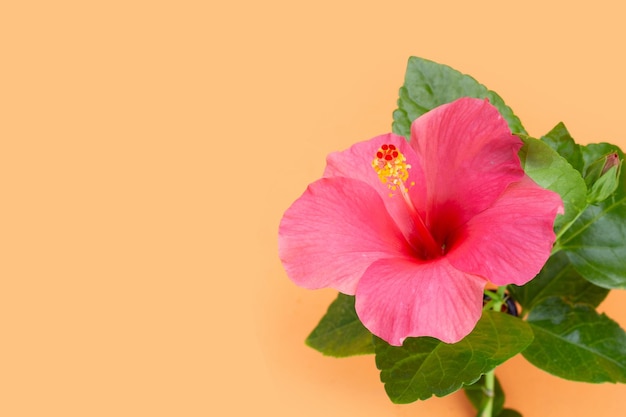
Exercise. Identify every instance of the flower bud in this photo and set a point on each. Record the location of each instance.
(602, 177)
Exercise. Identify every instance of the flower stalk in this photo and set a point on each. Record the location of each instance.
(489, 390)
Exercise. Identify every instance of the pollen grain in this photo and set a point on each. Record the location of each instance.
(391, 167)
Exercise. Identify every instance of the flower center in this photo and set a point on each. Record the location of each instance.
(392, 169)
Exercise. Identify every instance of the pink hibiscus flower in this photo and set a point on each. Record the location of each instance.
(415, 230)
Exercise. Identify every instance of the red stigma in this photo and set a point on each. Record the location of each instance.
(387, 152)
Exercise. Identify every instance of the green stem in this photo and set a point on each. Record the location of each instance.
(497, 299)
(489, 392)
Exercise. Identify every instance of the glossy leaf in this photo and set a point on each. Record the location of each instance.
(550, 170)
(558, 278)
(560, 140)
(596, 241)
(574, 342)
(425, 366)
(509, 412)
(596, 244)
(428, 84)
(340, 333)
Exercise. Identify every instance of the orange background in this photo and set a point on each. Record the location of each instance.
(148, 150)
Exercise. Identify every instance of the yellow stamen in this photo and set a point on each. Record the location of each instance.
(391, 167)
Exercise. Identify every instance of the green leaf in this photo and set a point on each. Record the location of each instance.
(428, 84)
(425, 366)
(550, 170)
(340, 333)
(574, 342)
(558, 278)
(509, 412)
(562, 142)
(596, 242)
(477, 396)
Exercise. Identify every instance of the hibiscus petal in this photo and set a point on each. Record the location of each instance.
(355, 162)
(468, 156)
(334, 232)
(511, 241)
(400, 298)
